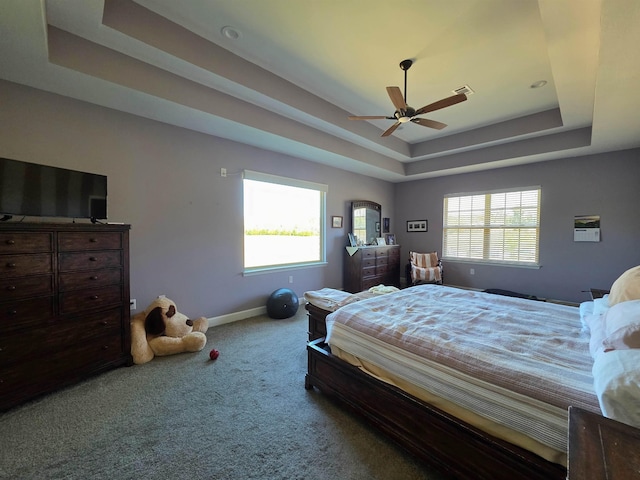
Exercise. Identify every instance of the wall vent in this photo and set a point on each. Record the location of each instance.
(466, 89)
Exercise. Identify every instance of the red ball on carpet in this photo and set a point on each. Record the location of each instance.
(213, 354)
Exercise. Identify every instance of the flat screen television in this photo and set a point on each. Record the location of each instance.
(29, 189)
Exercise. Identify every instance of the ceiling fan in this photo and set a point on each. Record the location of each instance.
(404, 113)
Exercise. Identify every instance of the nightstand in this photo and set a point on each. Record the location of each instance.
(601, 448)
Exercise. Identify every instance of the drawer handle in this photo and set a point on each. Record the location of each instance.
(11, 265)
(10, 242)
(93, 259)
(11, 288)
(94, 297)
(105, 347)
(93, 277)
(93, 240)
(12, 312)
(104, 323)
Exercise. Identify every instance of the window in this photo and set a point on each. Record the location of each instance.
(284, 222)
(496, 227)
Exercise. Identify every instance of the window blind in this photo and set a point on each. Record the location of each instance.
(497, 226)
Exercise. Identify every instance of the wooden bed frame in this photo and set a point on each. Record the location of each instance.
(433, 436)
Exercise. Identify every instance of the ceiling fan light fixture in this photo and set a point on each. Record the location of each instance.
(405, 114)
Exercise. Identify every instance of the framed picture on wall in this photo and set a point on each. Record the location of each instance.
(417, 225)
(390, 238)
(385, 225)
(336, 222)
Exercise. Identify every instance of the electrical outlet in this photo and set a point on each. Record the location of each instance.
(472, 271)
(162, 296)
(223, 172)
(133, 304)
(290, 278)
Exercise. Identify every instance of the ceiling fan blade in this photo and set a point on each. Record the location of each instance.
(375, 117)
(390, 130)
(396, 98)
(445, 102)
(425, 122)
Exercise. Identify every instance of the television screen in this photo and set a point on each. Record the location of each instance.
(41, 191)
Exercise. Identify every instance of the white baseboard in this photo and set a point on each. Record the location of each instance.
(234, 317)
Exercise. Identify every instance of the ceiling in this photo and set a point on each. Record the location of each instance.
(298, 69)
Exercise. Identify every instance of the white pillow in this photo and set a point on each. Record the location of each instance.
(586, 308)
(596, 307)
(622, 326)
(616, 380)
(601, 305)
(595, 325)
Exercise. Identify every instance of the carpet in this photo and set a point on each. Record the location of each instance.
(244, 416)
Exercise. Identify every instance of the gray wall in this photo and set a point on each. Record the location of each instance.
(186, 236)
(607, 185)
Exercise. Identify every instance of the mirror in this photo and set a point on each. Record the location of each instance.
(365, 221)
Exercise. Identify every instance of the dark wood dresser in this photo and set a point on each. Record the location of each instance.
(371, 266)
(64, 305)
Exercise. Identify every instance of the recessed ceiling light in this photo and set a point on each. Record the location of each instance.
(538, 84)
(230, 32)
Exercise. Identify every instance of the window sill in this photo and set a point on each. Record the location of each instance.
(280, 268)
(534, 266)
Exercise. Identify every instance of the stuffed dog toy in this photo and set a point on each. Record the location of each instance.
(161, 330)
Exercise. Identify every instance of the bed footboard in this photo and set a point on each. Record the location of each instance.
(433, 436)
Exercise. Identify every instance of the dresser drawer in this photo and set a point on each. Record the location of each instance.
(22, 313)
(89, 279)
(69, 262)
(368, 262)
(381, 252)
(23, 345)
(20, 265)
(369, 282)
(382, 260)
(21, 242)
(79, 300)
(382, 269)
(21, 381)
(70, 241)
(369, 271)
(20, 287)
(368, 253)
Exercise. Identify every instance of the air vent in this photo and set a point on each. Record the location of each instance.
(466, 89)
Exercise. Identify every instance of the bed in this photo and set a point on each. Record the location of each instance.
(464, 437)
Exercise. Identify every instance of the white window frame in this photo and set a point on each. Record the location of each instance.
(291, 182)
(474, 227)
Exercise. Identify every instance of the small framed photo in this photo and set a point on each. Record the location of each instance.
(417, 226)
(390, 238)
(380, 241)
(352, 240)
(336, 222)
